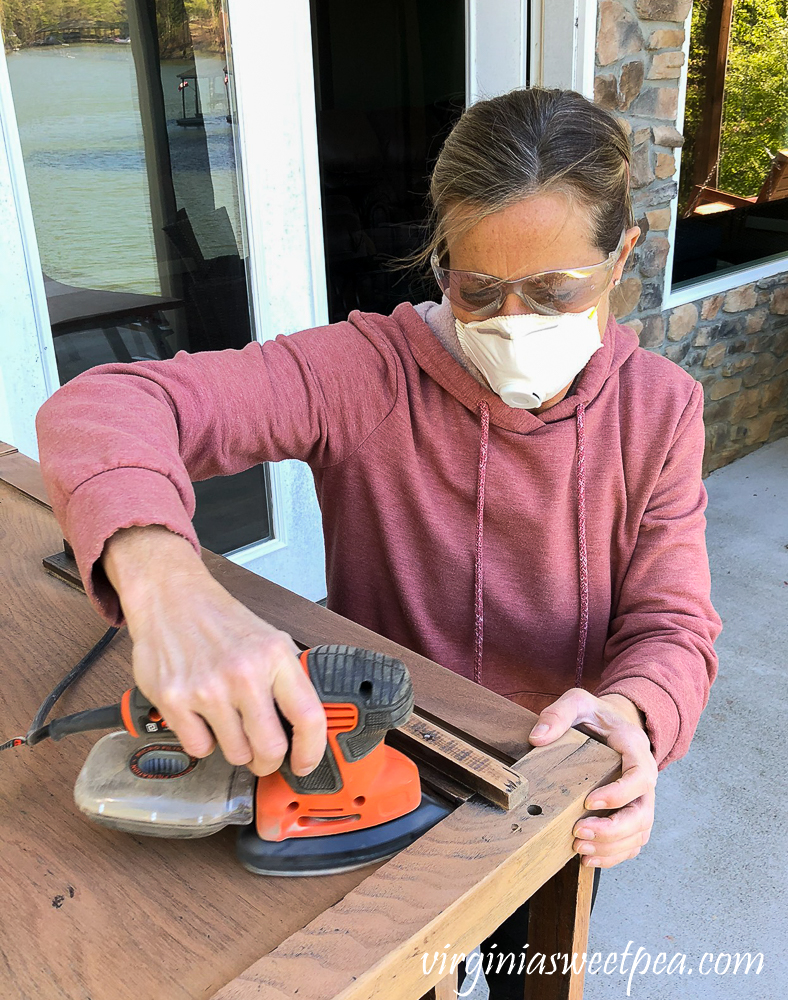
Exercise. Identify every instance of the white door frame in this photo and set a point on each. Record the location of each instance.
(28, 372)
(563, 44)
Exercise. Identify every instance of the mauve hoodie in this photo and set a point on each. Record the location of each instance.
(531, 552)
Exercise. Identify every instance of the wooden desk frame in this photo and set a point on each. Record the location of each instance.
(442, 895)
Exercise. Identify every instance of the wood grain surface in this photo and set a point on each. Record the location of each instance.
(90, 913)
(24, 474)
(443, 894)
(425, 740)
(558, 917)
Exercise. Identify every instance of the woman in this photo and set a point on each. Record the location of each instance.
(509, 484)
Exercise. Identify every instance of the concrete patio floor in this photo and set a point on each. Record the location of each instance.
(714, 878)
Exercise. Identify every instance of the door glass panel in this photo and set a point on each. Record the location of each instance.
(124, 109)
(389, 84)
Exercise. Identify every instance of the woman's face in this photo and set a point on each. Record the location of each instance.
(541, 233)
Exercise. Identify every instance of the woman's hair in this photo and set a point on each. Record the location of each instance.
(527, 142)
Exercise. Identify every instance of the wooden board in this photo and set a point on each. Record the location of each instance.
(558, 915)
(23, 474)
(152, 919)
(426, 740)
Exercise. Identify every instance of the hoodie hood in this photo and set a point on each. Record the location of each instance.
(437, 350)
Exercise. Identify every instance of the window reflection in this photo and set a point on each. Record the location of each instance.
(125, 120)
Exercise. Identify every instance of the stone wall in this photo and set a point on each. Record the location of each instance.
(735, 343)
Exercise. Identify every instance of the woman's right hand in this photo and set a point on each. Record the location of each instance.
(205, 660)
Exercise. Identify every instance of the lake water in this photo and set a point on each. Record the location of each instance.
(81, 131)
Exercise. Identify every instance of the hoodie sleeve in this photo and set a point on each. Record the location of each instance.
(120, 444)
(660, 649)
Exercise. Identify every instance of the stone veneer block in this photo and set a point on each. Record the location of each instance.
(654, 256)
(656, 102)
(624, 297)
(659, 219)
(711, 306)
(667, 135)
(631, 81)
(682, 320)
(779, 302)
(606, 92)
(739, 299)
(746, 405)
(641, 172)
(759, 429)
(663, 10)
(656, 196)
(666, 38)
(756, 320)
(725, 387)
(666, 66)
(619, 33)
(666, 165)
(714, 356)
(652, 334)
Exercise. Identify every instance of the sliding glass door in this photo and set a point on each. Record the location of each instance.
(204, 172)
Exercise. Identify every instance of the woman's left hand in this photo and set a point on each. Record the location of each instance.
(604, 841)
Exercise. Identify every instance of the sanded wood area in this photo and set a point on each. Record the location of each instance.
(558, 918)
(6, 449)
(426, 740)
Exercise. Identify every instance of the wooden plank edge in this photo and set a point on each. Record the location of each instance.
(24, 474)
(370, 944)
(423, 739)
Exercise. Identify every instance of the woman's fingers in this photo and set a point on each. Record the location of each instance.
(625, 846)
(192, 731)
(300, 704)
(558, 717)
(597, 861)
(620, 824)
(638, 769)
(605, 841)
(217, 672)
(228, 728)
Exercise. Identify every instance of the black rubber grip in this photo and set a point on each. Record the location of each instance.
(381, 689)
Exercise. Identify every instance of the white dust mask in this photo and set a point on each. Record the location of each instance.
(529, 358)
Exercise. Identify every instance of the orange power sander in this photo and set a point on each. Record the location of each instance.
(362, 803)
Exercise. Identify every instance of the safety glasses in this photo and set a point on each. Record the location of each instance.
(548, 292)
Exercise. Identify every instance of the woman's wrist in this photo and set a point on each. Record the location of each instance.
(627, 708)
(140, 560)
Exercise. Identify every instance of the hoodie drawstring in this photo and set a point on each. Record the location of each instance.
(582, 549)
(478, 597)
